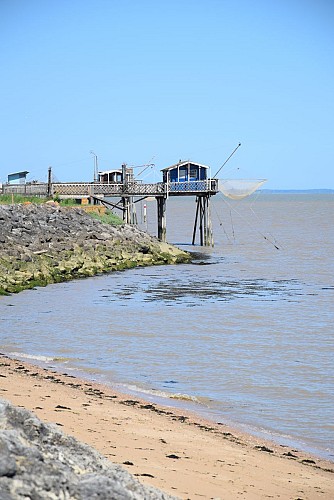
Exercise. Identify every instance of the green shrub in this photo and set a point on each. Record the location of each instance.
(68, 202)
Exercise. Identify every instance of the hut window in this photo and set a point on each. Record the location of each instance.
(193, 173)
(173, 175)
(202, 174)
(183, 174)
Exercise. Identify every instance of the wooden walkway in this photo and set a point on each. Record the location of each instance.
(90, 189)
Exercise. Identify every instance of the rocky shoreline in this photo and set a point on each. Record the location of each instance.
(43, 244)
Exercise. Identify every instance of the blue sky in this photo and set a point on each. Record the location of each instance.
(169, 80)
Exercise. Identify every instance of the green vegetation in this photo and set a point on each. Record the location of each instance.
(68, 202)
(108, 218)
(8, 199)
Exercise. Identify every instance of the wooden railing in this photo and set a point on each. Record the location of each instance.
(87, 189)
(187, 187)
(98, 189)
(35, 189)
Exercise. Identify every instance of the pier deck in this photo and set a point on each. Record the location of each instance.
(88, 189)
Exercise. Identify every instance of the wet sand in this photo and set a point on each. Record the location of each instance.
(169, 449)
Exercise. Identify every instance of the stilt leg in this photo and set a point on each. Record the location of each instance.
(161, 204)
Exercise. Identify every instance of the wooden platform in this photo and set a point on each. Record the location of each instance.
(88, 189)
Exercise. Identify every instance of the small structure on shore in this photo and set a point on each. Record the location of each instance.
(18, 177)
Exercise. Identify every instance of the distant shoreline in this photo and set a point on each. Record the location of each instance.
(297, 191)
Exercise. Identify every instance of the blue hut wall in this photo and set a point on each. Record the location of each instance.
(185, 173)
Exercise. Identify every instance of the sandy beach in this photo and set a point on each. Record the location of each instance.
(176, 452)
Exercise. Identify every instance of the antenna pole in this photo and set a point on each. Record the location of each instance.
(95, 166)
(238, 146)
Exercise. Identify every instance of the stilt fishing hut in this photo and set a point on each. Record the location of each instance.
(185, 178)
(190, 178)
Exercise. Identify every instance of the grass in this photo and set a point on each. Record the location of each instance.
(108, 218)
(8, 199)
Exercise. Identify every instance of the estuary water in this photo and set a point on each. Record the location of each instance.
(243, 335)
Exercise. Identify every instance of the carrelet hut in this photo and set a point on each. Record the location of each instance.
(116, 176)
(185, 171)
(110, 176)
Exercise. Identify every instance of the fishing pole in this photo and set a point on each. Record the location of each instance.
(238, 146)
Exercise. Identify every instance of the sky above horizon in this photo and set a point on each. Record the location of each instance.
(146, 81)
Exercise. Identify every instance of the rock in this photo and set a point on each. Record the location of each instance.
(39, 462)
(7, 462)
(35, 237)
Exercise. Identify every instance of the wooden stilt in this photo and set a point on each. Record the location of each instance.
(201, 221)
(126, 210)
(129, 210)
(195, 223)
(161, 205)
(204, 224)
(132, 212)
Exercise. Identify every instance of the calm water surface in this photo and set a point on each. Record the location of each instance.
(242, 335)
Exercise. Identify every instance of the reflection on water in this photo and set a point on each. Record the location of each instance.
(244, 333)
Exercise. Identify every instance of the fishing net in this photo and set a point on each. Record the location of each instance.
(237, 189)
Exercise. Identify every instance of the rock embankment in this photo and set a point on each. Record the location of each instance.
(42, 244)
(39, 462)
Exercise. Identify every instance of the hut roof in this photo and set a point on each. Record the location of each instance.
(110, 171)
(23, 172)
(181, 163)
